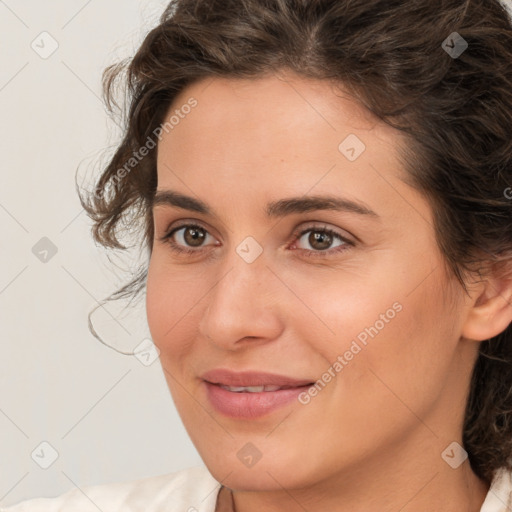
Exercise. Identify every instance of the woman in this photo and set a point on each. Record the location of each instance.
(324, 188)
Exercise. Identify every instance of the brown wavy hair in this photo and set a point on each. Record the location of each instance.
(456, 114)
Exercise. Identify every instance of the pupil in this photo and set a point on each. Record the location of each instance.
(317, 236)
(194, 236)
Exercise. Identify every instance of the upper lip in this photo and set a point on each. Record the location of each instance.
(251, 378)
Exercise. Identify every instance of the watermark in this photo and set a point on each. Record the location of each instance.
(351, 147)
(454, 45)
(249, 455)
(355, 347)
(44, 455)
(150, 143)
(146, 352)
(454, 455)
(249, 249)
(508, 193)
(45, 45)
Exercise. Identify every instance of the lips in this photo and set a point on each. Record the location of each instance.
(254, 379)
(250, 395)
(252, 389)
(249, 406)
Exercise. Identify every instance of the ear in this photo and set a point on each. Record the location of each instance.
(491, 306)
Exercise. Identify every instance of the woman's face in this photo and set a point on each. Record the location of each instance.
(353, 296)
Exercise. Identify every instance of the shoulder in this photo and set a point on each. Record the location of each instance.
(499, 497)
(189, 490)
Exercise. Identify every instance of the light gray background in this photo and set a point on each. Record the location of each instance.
(109, 417)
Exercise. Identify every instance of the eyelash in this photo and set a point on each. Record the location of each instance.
(347, 244)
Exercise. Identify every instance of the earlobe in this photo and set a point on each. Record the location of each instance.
(491, 312)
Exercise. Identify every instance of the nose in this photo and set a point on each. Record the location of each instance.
(245, 301)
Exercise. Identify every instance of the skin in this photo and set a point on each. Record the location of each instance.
(372, 439)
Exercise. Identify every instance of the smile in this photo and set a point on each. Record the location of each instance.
(251, 402)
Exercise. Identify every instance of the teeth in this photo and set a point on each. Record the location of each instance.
(251, 389)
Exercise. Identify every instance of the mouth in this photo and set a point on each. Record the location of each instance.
(251, 402)
(249, 395)
(258, 389)
(253, 381)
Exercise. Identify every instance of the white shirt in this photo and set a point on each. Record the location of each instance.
(189, 490)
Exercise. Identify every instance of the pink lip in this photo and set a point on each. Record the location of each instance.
(251, 378)
(246, 405)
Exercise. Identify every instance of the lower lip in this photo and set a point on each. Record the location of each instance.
(250, 405)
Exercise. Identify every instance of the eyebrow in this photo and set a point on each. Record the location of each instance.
(279, 208)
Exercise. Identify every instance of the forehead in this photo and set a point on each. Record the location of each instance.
(248, 143)
(276, 94)
(281, 116)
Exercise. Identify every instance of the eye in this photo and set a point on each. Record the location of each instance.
(190, 238)
(187, 234)
(321, 239)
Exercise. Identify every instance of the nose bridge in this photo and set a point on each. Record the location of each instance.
(244, 270)
(238, 303)
(242, 283)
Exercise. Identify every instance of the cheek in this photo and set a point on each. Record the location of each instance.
(381, 341)
(171, 303)
(335, 311)
(157, 303)
(410, 360)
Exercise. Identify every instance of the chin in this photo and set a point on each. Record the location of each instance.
(263, 476)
